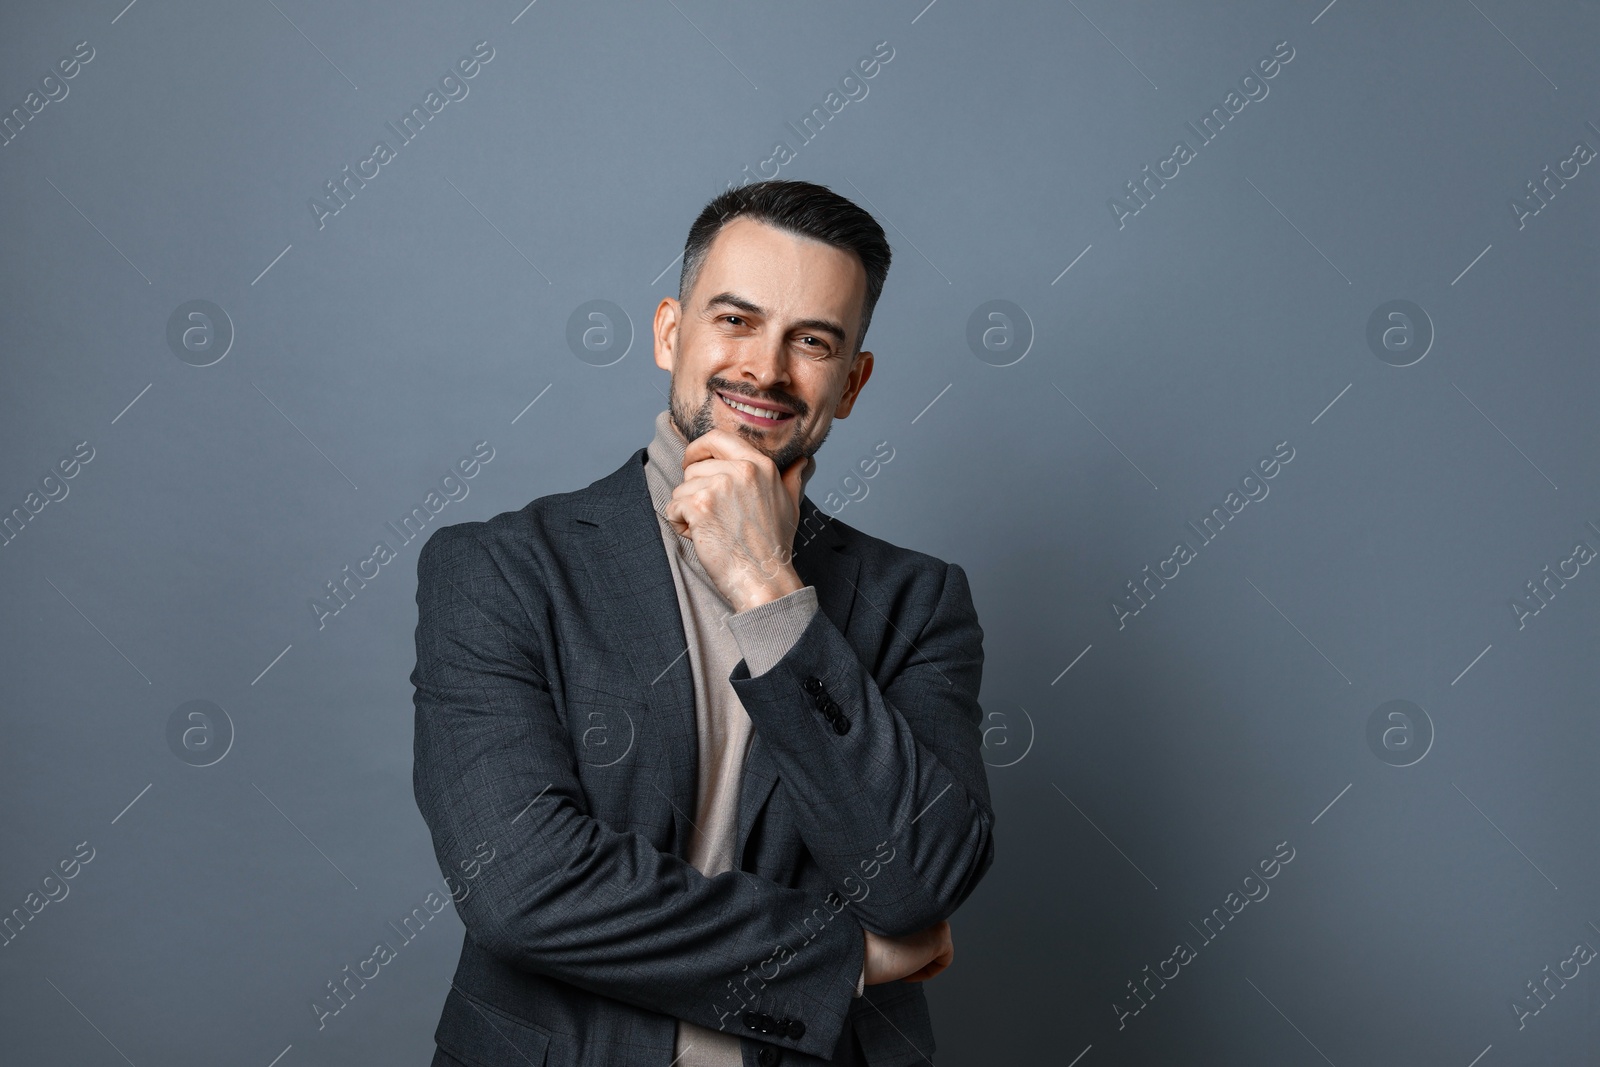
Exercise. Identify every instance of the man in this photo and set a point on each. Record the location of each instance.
(721, 750)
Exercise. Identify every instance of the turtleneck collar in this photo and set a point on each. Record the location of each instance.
(664, 467)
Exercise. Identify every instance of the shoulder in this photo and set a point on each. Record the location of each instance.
(901, 572)
(536, 529)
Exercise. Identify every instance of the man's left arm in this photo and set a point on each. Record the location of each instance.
(889, 786)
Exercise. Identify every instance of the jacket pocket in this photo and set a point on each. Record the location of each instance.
(484, 1036)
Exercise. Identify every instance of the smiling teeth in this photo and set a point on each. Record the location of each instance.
(761, 413)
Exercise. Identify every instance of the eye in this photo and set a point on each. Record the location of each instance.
(735, 319)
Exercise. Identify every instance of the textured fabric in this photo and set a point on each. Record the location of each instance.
(555, 723)
(722, 728)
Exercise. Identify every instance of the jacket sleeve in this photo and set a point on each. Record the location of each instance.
(896, 807)
(565, 894)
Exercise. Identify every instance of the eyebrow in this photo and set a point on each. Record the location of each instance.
(820, 325)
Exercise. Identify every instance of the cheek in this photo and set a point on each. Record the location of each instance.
(821, 392)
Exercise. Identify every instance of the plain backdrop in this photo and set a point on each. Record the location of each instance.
(1066, 385)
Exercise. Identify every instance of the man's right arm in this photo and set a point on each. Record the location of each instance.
(567, 895)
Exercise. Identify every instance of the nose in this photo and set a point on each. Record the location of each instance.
(764, 363)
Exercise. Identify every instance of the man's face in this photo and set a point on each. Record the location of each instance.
(772, 323)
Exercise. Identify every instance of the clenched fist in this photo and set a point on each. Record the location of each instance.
(741, 514)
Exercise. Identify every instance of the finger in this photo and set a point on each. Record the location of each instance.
(713, 484)
(737, 468)
(706, 468)
(720, 444)
(924, 973)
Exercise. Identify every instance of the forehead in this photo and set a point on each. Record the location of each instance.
(789, 275)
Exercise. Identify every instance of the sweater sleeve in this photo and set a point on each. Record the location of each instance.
(766, 632)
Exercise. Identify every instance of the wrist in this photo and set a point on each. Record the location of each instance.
(764, 590)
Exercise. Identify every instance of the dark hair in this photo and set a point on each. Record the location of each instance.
(802, 208)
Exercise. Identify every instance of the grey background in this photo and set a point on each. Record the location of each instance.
(1143, 783)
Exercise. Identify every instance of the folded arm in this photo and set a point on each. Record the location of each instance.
(896, 808)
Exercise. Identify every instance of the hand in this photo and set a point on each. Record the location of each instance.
(914, 958)
(741, 514)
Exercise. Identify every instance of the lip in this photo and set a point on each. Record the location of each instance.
(780, 414)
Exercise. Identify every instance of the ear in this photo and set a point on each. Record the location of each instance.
(860, 371)
(668, 316)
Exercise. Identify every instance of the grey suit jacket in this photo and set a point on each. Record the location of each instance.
(555, 735)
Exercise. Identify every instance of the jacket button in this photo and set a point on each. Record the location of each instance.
(841, 725)
(795, 1028)
(812, 685)
(767, 1057)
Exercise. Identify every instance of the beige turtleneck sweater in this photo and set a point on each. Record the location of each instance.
(718, 638)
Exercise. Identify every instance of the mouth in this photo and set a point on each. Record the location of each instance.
(756, 413)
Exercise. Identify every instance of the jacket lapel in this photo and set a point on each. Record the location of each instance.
(637, 605)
